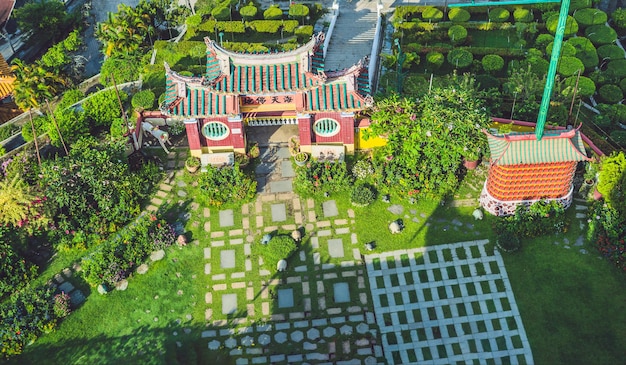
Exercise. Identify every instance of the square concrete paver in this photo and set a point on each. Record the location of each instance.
(286, 169)
(227, 219)
(281, 186)
(279, 213)
(342, 292)
(229, 303)
(330, 209)
(285, 298)
(335, 247)
(227, 259)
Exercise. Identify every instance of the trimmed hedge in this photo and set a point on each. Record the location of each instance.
(298, 10)
(586, 87)
(434, 60)
(585, 51)
(143, 99)
(457, 34)
(431, 13)
(458, 15)
(492, 63)
(499, 15)
(619, 18)
(231, 27)
(265, 26)
(566, 49)
(523, 15)
(611, 51)
(600, 34)
(304, 31)
(590, 16)
(571, 25)
(460, 58)
(610, 94)
(274, 12)
(569, 66)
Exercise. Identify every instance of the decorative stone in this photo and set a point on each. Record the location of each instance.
(102, 289)
(370, 246)
(362, 328)
(296, 235)
(329, 331)
(478, 214)
(142, 269)
(282, 265)
(313, 334)
(264, 339)
(214, 345)
(266, 239)
(280, 337)
(230, 343)
(394, 227)
(181, 240)
(121, 285)
(386, 198)
(297, 336)
(157, 255)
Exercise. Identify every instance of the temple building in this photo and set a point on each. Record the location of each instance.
(524, 170)
(240, 91)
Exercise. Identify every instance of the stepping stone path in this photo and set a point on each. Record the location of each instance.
(342, 292)
(229, 303)
(285, 298)
(335, 248)
(446, 304)
(330, 209)
(279, 214)
(227, 259)
(227, 218)
(275, 173)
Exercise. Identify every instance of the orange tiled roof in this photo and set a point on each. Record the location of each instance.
(530, 181)
(6, 79)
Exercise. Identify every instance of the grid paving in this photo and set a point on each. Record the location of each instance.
(446, 304)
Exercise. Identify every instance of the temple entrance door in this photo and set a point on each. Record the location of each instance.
(271, 135)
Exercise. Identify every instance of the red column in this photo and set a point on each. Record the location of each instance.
(347, 129)
(304, 126)
(193, 134)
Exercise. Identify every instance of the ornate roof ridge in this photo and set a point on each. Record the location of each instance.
(242, 57)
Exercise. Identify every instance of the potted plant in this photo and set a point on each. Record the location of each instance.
(192, 164)
(301, 158)
(471, 158)
(294, 145)
(242, 159)
(253, 150)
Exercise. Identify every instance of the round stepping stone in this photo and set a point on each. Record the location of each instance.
(297, 336)
(280, 337)
(121, 285)
(264, 339)
(230, 343)
(362, 328)
(142, 269)
(247, 341)
(345, 330)
(214, 345)
(157, 255)
(313, 334)
(329, 331)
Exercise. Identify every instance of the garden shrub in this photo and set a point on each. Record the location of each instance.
(612, 179)
(508, 241)
(602, 77)
(616, 113)
(8, 130)
(586, 86)
(539, 219)
(226, 184)
(118, 129)
(499, 15)
(523, 15)
(458, 15)
(457, 34)
(61, 306)
(16, 272)
(248, 12)
(362, 195)
(579, 4)
(610, 94)
(611, 52)
(619, 18)
(274, 12)
(619, 136)
(298, 11)
(123, 69)
(265, 26)
(607, 232)
(617, 69)
(571, 25)
(622, 85)
(590, 16)
(221, 12)
(320, 177)
(193, 21)
(362, 170)
(231, 27)
(415, 85)
(486, 82)
(304, 32)
(290, 25)
(460, 58)
(434, 60)
(280, 247)
(492, 63)
(39, 124)
(585, 51)
(543, 40)
(143, 100)
(103, 107)
(569, 66)
(566, 49)
(601, 34)
(432, 14)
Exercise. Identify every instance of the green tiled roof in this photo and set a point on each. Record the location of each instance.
(524, 148)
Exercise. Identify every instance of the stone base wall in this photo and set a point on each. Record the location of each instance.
(501, 208)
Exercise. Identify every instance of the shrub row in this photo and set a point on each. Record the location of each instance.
(8, 130)
(541, 218)
(241, 188)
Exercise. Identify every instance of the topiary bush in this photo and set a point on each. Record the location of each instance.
(457, 34)
(499, 15)
(619, 18)
(143, 100)
(571, 25)
(579, 4)
(619, 136)
(226, 184)
(617, 69)
(280, 247)
(611, 52)
(523, 15)
(432, 14)
(590, 16)
(610, 94)
(434, 60)
(585, 51)
(458, 15)
(566, 49)
(221, 12)
(298, 11)
(362, 195)
(622, 85)
(543, 40)
(508, 241)
(274, 12)
(460, 58)
(569, 66)
(248, 12)
(586, 86)
(600, 34)
(492, 63)
(304, 32)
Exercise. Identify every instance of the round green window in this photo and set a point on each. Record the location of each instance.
(215, 131)
(326, 127)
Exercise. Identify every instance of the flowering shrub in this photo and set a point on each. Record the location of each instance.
(320, 177)
(227, 184)
(62, 305)
(362, 169)
(15, 272)
(541, 218)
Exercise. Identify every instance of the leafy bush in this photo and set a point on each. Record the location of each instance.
(122, 69)
(274, 12)
(226, 184)
(362, 195)
(586, 87)
(619, 136)
(279, 247)
(298, 10)
(619, 18)
(16, 272)
(61, 306)
(231, 27)
(590, 16)
(543, 40)
(432, 14)
(265, 26)
(610, 94)
(616, 113)
(118, 129)
(585, 51)
(8, 130)
(566, 50)
(457, 34)
(460, 58)
(579, 4)
(39, 125)
(248, 12)
(617, 69)
(434, 60)
(304, 32)
(508, 241)
(569, 66)
(492, 63)
(458, 15)
(499, 15)
(571, 25)
(221, 12)
(486, 82)
(539, 219)
(319, 177)
(103, 107)
(176, 128)
(143, 100)
(612, 181)
(362, 169)
(600, 34)
(523, 15)
(610, 51)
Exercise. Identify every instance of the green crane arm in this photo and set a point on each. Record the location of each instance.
(554, 59)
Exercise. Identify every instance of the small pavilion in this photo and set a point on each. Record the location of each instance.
(524, 170)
